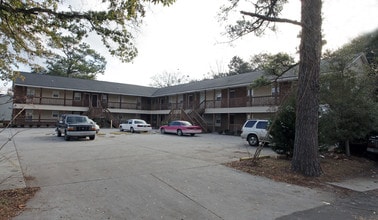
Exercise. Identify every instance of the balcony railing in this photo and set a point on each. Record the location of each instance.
(27, 122)
(243, 102)
(46, 101)
(124, 105)
(224, 103)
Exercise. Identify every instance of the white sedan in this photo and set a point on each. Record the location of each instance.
(135, 125)
(95, 124)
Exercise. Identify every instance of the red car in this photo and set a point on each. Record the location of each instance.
(180, 128)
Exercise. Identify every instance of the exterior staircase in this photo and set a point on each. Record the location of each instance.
(196, 118)
(174, 114)
(193, 116)
(104, 115)
(114, 122)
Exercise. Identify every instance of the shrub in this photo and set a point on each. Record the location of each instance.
(282, 128)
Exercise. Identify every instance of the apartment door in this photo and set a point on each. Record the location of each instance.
(86, 99)
(190, 101)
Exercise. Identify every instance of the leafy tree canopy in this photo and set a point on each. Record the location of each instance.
(30, 27)
(77, 61)
(237, 66)
(261, 15)
(365, 43)
(350, 92)
(274, 65)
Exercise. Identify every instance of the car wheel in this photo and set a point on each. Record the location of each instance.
(132, 130)
(192, 134)
(179, 133)
(91, 137)
(66, 137)
(252, 140)
(162, 131)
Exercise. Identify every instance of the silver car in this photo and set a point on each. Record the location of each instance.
(255, 131)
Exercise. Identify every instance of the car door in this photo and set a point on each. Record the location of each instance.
(129, 124)
(125, 125)
(172, 128)
(261, 127)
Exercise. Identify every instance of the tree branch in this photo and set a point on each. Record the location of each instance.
(272, 19)
(36, 10)
(286, 70)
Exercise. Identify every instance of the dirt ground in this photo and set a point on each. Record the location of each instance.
(13, 201)
(336, 167)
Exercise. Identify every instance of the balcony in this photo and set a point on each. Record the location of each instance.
(124, 105)
(46, 101)
(244, 102)
(224, 103)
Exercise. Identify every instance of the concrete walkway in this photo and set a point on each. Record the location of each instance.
(11, 176)
(149, 176)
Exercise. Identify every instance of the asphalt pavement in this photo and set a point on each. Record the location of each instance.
(153, 176)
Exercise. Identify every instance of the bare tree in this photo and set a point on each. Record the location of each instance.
(265, 16)
(167, 79)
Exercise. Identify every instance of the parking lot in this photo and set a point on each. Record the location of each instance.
(121, 175)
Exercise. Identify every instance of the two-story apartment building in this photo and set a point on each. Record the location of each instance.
(221, 104)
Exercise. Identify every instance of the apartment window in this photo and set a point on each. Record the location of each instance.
(275, 90)
(218, 120)
(219, 96)
(232, 93)
(104, 97)
(250, 92)
(55, 94)
(262, 125)
(30, 91)
(55, 114)
(77, 96)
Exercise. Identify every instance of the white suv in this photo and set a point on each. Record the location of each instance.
(254, 131)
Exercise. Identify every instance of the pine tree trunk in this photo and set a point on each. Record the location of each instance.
(305, 156)
(347, 148)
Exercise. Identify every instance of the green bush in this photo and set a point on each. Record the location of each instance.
(282, 128)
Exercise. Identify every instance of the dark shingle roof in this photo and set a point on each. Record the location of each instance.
(84, 85)
(244, 79)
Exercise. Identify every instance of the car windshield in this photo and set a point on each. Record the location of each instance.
(77, 119)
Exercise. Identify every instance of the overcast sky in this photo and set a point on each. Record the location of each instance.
(187, 38)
